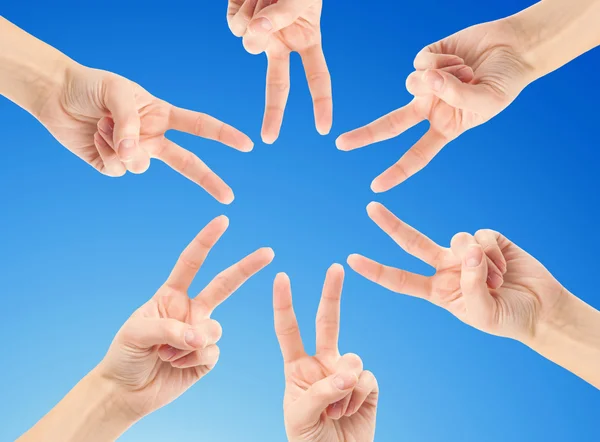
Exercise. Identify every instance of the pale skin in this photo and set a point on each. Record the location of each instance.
(328, 397)
(279, 28)
(163, 349)
(465, 80)
(108, 121)
(530, 305)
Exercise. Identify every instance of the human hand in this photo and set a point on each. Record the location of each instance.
(116, 126)
(169, 343)
(328, 397)
(516, 306)
(279, 28)
(459, 82)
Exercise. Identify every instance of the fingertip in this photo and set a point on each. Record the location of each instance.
(353, 259)
(373, 207)
(222, 219)
(268, 252)
(377, 186)
(227, 197)
(336, 268)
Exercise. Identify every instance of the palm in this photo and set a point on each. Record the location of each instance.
(151, 359)
(519, 296)
(96, 110)
(527, 292)
(151, 382)
(307, 371)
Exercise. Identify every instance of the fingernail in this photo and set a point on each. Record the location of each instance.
(261, 25)
(474, 256)
(193, 339)
(463, 73)
(105, 126)
(341, 382)
(171, 352)
(495, 280)
(434, 80)
(336, 409)
(126, 150)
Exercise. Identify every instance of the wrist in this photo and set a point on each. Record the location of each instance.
(554, 32)
(30, 71)
(570, 337)
(112, 406)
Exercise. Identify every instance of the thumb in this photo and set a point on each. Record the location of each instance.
(473, 284)
(120, 101)
(147, 333)
(307, 410)
(278, 16)
(447, 87)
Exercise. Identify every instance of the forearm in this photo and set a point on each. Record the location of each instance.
(90, 412)
(554, 32)
(571, 338)
(29, 68)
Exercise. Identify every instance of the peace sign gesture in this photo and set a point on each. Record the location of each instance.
(169, 343)
(485, 280)
(328, 397)
(279, 28)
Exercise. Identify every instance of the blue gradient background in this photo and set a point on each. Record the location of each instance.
(79, 251)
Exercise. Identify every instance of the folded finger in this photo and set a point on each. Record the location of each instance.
(416, 85)
(426, 59)
(488, 239)
(239, 14)
(366, 389)
(208, 332)
(460, 244)
(112, 165)
(207, 356)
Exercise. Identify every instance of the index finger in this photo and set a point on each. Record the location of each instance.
(286, 324)
(409, 239)
(194, 169)
(229, 280)
(205, 126)
(193, 256)
(414, 160)
(319, 83)
(386, 127)
(328, 315)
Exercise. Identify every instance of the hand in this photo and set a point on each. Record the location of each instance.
(169, 343)
(114, 125)
(527, 295)
(451, 96)
(328, 397)
(279, 28)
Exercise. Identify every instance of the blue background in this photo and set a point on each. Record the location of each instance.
(80, 252)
